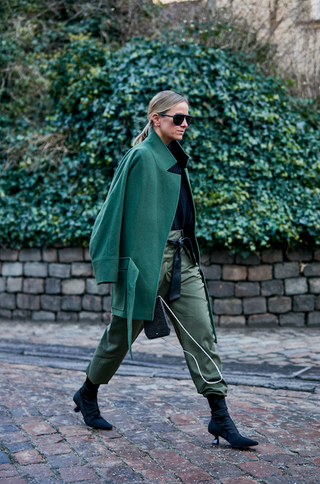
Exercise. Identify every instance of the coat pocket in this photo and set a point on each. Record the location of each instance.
(119, 289)
(126, 278)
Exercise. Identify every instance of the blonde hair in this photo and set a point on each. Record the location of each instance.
(160, 103)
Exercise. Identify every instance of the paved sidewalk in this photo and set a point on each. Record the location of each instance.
(282, 346)
(160, 424)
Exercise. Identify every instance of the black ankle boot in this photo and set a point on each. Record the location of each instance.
(221, 424)
(87, 404)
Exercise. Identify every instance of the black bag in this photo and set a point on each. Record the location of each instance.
(159, 327)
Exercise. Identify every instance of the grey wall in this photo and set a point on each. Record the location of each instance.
(271, 288)
(51, 285)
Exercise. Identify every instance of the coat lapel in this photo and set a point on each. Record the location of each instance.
(164, 157)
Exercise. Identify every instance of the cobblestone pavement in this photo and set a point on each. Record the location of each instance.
(160, 425)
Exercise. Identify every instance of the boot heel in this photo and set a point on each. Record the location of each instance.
(221, 425)
(216, 440)
(89, 409)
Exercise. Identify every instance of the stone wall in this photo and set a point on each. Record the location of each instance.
(271, 288)
(293, 26)
(51, 285)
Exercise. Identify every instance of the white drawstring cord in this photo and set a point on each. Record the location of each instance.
(187, 352)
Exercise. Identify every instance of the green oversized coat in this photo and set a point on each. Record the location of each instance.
(131, 231)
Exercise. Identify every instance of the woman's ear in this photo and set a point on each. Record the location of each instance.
(156, 119)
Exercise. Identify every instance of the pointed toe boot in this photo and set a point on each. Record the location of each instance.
(88, 406)
(221, 425)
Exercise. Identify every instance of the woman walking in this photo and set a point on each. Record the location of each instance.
(144, 242)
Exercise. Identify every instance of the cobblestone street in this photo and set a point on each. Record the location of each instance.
(160, 424)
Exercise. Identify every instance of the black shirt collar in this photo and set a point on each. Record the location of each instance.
(178, 153)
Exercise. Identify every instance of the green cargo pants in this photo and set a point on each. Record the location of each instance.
(192, 309)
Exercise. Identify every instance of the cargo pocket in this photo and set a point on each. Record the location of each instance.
(208, 302)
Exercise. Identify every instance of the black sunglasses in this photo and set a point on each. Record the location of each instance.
(178, 118)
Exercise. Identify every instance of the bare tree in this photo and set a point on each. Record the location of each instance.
(283, 36)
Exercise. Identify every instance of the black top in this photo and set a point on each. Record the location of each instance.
(184, 217)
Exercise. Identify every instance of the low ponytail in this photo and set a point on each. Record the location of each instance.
(160, 103)
(144, 134)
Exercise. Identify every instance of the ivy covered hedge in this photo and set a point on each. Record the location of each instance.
(254, 151)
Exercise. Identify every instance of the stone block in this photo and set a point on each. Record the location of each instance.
(9, 255)
(27, 301)
(254, 305)
(222, 257)
(5, 314)
(279, 304)
(33, 285)
(260, 273)
(90, 317)
(91, 303)
(12, 269)
(286, 269)
(230, 306)
(107, 304)
(50, 255)
(314, 318)
(246, 289)
(304, 302)
(2, 284)
(67, 316)
(21, 314)
(7, 301)
(73, 286)
(299, 255)
(52, 285)
(81, 269)
(215, 319)
(272, 256)
(50, 303)
(71, 254)
(211, 272)
(232, 321)
(86, 255)
(71, 303)
(271, 288)
(317, 303)
(234, 273)
(221, 289)
(205, 258)
(292, 319)
(29, 255)
(62, 271)
(14, 284)
(265, 319)
(43, 316)
(316, 255)
(93, 288)
(36, 269)
(312, 269)
(251, 260)
(314, 285)
(106, 318)
(296, 285)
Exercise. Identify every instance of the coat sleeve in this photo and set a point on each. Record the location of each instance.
(105, 238)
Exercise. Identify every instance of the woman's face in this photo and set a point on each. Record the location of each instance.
(165, 127)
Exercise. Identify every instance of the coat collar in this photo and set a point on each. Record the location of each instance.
(166, 158)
